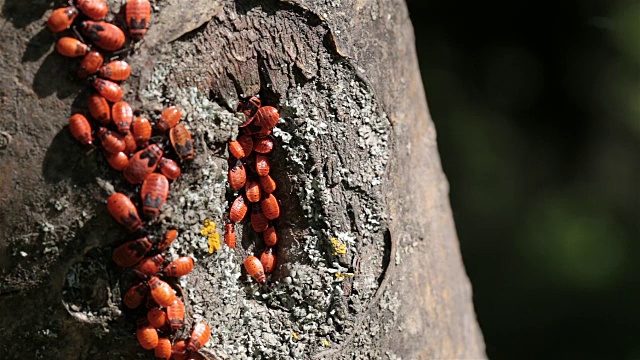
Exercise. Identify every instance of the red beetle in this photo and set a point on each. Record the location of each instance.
(131, 252)
(267, 117)
(263, 165)
(179, 350)
(267, 184)
(264, 145)
(237, 176)
(270, 207)
(95, 9)
(105, 35)
(117, 161)
(238, 209)
(268, 260)
(182, 142)
(169, 168)
(252, 190)
(71, 47)
(111, 141)
(155, 190)
(199, 336)
(80, 129)
(179, 267)
(175, 313)
(61, 19)
(230, 235)
(142, 163)
(161, 292)
(122, 209)
(138, 14)
(150, 266)
(163, 349)
(270, 237)
(117, 70)
(167, 239)
(169, 118)
(110, 90)
(130, 144)
(141, 129)
(122, 116)
(259, 222)
(157, 317)
(255, 269)
(99, 108)
(134, 296)
(146, 334)
(90, 64)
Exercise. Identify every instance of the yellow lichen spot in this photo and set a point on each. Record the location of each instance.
(338, 247)
(209, 230)
(340, 276)
(295, 335)
(326, 343)
(214, 242)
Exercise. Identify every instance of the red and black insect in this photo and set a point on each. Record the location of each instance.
(175, 314)
(167, 239)
(112, 142)
(169, 168)
(237, 175)
(255, 269)
(71, 47)
(267, 184)
(182, 142)
(157, 318)
(141, 129)
(230, 235)
(61, 19)
(238, 209)
(99, 108)
(135, 295)
(122, 209)
(147, 335)
(106, 36)
(131, 252)
(270, 207)
(163, 350)
(90, 64)
(259, 222)
(138, 14)
(117, 161)
(161, 292)
(117, 70)
(80, 129)
(142, 163)
(169, 118)
(179, 267)
(200, 335)
(94, 9)
(154, 192)
(268, 260)
(150, 266)
(122, 116)
(110, 90)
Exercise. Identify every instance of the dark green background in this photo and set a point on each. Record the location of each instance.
(537, 109)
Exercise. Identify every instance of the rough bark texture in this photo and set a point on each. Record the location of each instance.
(356, 162)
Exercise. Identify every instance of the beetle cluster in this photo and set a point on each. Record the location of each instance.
(126, 143)
(249, 168)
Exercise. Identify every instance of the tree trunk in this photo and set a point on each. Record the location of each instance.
(356, 164)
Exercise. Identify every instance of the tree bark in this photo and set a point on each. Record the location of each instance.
(356, 164)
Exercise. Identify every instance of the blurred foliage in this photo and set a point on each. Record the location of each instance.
(537, 109)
